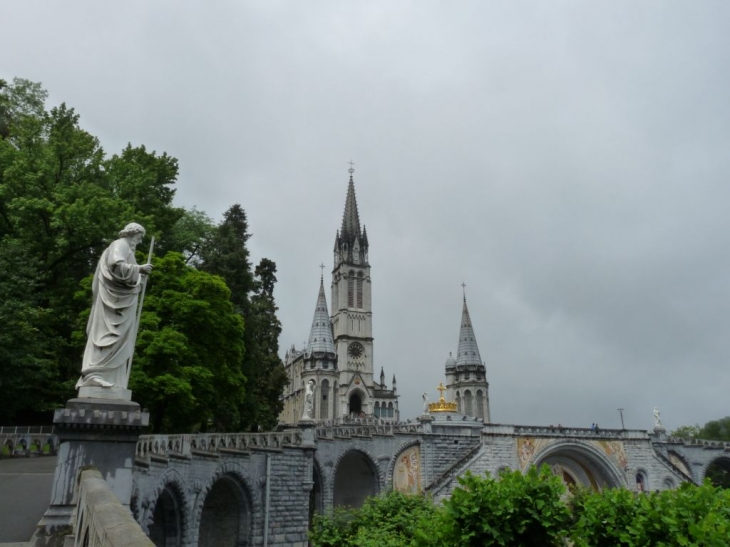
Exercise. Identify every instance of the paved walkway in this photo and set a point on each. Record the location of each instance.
(25, 490)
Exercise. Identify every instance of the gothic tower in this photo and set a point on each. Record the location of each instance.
(352, 312)
(466, 376)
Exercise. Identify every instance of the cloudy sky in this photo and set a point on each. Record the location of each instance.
(568, 161)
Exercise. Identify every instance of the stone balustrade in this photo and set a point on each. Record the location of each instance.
(101, 520)
(567, 432)
(189, 444)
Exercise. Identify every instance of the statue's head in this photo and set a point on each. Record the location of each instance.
(132, 229)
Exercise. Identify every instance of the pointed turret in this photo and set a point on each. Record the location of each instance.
(320, 336)
(468, 352)
(351, 243)
(382, 378)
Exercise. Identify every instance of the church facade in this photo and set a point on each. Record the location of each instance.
(338, 357)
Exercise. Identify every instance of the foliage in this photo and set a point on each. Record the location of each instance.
(687, 432)
(515, 509)
(252, 294)
(534, 510)
(392, 520)
(187, 364)
(691, 515)
(714, 430)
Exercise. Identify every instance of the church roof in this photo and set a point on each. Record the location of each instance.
(350, 218)
(320, 337)
(468, 352)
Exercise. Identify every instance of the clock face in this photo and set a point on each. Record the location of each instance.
(355, 350)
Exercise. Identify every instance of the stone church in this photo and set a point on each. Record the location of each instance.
(338, 358)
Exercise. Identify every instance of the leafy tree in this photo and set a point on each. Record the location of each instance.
(517, 509)
(252, 294)
(392, 520)
(686, 431)
(187, 363)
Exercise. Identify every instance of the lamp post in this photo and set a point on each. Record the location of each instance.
(621, 413)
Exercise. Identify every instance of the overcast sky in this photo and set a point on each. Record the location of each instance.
(568, 161)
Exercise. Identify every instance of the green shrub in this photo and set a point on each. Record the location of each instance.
(516, 509)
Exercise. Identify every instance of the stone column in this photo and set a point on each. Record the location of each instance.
(100, 433)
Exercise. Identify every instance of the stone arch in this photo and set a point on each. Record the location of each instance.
(356, 400)
(355, 477)
(316, 496)
(392, 461)
(502, 469)
(164, 513)
(717, 470)
(232, 488)
(641, 480)
(580, 463)
(668, 483)
(682, 463)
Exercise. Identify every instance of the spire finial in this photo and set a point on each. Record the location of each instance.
(463, 289)
(321, 267)
(351, 170)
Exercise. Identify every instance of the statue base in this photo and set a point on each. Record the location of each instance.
(98, 432)
(114, 392)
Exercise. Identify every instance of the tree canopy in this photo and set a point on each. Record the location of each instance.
(62, 201)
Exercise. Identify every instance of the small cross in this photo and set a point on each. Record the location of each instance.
(441, 389)
(321, 267)
(351, 170)
(463, 288)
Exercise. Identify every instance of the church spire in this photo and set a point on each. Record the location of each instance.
(468, 352)
(351, 243)
(320, 336)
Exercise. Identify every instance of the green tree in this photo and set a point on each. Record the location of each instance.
(252, 294)
(187, 364)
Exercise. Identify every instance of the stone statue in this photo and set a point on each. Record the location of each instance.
(308, 413)
(425, 403)
(657, 419)
(112, 327)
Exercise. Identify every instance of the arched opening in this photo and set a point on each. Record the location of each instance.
(468, 407)
(642, 484)
(166, 527)
(316, 501)
(719, 472)
(324, 413)
(359, 290)
(376, 412)
(226, 517)
(577, 465)
(356, 478)
(480, 404)
(458, 402)
(355, 404)
(390, 410)
(351, 290)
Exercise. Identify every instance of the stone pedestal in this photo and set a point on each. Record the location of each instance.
(101, 433)
(425, 420)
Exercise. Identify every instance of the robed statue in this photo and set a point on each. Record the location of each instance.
(114, 320)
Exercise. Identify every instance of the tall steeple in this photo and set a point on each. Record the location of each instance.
(351, 243)
(466, 376)
(320, 335)
(467, 352)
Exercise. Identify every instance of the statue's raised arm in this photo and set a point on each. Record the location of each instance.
(112, 326)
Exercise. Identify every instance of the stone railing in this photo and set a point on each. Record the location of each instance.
(22, 440)
(101, 520)
(700, 442)
(190, 444)
(353, 430)
(560, 431)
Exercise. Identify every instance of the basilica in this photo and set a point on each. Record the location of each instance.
(337, 363)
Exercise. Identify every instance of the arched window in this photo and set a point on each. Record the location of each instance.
(480, 404)
(641, 482)
(390, 410)
(324, 412)
(359, 290)
(468, 406)
(458, 402)
(351, 290)
(376, 412)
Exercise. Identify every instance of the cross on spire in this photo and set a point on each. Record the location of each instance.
(463, 289)
(321, 267)
(441, 390)
(351, 170)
